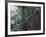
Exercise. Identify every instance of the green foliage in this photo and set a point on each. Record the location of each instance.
(21, 15)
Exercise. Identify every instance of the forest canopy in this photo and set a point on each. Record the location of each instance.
(21, 16)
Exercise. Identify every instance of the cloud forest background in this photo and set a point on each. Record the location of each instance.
(25, 18)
